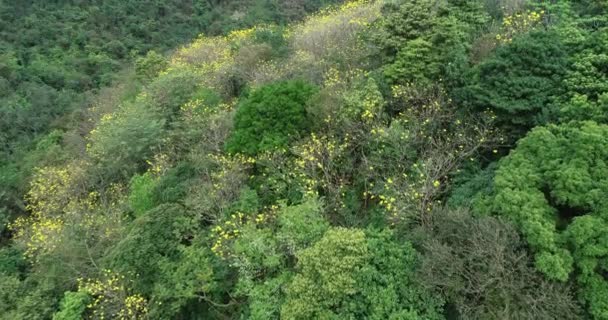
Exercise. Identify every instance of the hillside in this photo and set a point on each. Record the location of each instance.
(55, 56)
(369, 160)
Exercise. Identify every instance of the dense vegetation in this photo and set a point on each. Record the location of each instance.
(56, 55)
(377, 160)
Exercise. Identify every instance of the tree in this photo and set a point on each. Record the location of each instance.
(164, 252)
(270, 117)
(153, 237)
(552, 186)
(149, 66)
(587, 236)
(519, 82)
(586, 97)
(261, 246)
(347, 274)
(415, 63)
(427, 41)
(478, 265)
(412, 159)
(123, 140)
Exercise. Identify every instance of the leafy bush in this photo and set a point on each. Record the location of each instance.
(581, 108)
(587, 80)
(415, 63)
(270, 117)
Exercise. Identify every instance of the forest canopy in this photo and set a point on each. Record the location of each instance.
(366, 159)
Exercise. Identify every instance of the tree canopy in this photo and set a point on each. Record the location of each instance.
(303, 159)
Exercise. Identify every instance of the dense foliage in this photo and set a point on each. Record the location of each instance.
(375, 160)
(552, 186)
(269, 117)
(55, 55)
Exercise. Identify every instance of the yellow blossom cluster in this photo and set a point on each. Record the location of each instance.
(224, 233)
(112, 298)
(427, 126)
(107, 117)
(327, 36)
(49, 194)
(406, 195)
(363, 102)
(102, 212)
(518, 23)
(204, 53)
(105, 120)
(238, 36)
(85, 208)
(49, 190)
(336, 79)
(135, 308)
(316, 160)
(333, 28)
(205, 125)
(41, 235)
(227, 166)
(198, 107)
(433, 122)
(214, 58)
(56, 200)
(159, 164)
(372, 106)
(315, 44)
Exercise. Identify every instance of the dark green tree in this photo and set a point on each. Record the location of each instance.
(520, 82)
(271, 117)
